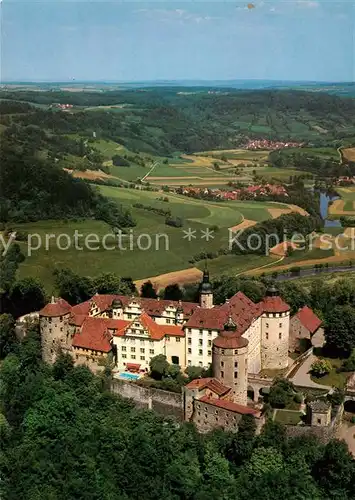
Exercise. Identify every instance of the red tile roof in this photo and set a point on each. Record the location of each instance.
(242, 310)
(172, 330)
(274, 304)
(77, 319)
(308, 319)
(133, 366)
(94, 333)
(230, 341)
(229, 405)
(154, 307)
(210, 383)
(59, 308)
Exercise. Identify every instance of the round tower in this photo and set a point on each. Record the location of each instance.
(275, 327)
(206, 292)
(230, 361)
(54, 328)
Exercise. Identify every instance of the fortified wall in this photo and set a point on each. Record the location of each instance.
(168, 404)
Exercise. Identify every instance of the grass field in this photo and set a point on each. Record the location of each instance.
(333, 378)
(172, 251)
(345, 205)
(288, 417)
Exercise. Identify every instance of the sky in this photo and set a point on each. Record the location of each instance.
(63, 40)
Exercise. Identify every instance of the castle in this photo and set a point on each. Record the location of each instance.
(240, 337)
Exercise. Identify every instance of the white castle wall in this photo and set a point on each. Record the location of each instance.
(275, 328)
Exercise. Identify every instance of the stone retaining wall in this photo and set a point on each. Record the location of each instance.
(163, 402)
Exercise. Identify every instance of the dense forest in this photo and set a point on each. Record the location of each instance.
(64, 436)
(34, 188)
(166, 120)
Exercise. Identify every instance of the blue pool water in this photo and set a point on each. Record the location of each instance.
(128, 376)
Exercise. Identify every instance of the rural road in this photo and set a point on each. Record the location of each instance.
(302, 377)
(347, 433)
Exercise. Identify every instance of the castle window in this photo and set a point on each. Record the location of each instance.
(129, 316)
(267, 336)
(267, 325)
(167, 339)
(235, 374)
(236, 351)
(50, 330)
(280, 335)
(222, 351)
(137, 331)
(209, 353)
(319, 421)
(133, 356)
(177, 339)
(200, 342)
(168, 321)
(209, 343)
(236, 364)
(189, 340)
(189, 330)
(133, 349)
(142, 350)
(280, 325)
(151, 351)
(49, 320)
(222, 374)
(142, 358)
(61, 328)
(61, 318)
(189, 351)
(201, 331)
(209, 333)
(124, 348)
(200, 352)
(222, 363)
(200, 363)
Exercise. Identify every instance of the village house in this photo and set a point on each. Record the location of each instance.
(305, 325)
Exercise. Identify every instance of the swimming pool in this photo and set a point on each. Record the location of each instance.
(128, 376)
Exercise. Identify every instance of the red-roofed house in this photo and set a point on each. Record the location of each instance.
(305, 325)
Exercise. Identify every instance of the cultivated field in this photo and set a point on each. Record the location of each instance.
(169, 251)
(344, 206)
(349, 154)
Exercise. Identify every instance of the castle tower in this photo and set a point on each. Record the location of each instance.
(117, 309)
(275, 327)
(230, 361)
(54, 328)
(206, 293)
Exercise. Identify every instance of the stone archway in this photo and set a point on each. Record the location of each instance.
(252, 393)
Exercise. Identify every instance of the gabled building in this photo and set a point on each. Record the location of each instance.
(305, 325)
(135, 329)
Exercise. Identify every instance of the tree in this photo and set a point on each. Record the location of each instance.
(335, 471)
(194, 372)
(63, 365)
(173, 292)
(148, 291)
(281, 393)
(273, 434)
(339, 328)
(8, 339)
(109, 283)
(158, 366)
(321, 367)
(265, 461)
(72, 287)
(27, 295)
